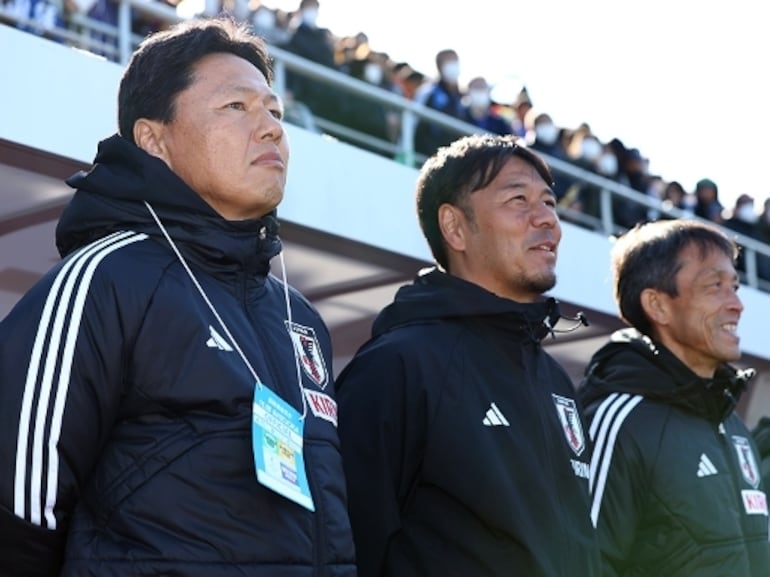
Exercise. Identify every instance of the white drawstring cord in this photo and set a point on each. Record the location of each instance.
(222, 322)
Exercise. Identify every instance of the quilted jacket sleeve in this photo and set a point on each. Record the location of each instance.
(61, 363)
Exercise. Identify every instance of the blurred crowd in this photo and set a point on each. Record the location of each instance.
(297, 31)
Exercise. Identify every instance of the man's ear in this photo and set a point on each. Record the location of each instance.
(451, 222)
(656, 306)
(148, 135)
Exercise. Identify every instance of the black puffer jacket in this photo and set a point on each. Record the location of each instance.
(675, 479)
(126, 406)
(464, 450)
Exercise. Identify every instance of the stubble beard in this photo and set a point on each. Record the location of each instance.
(539, 284)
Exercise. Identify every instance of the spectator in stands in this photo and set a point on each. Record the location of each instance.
(547, 138)
(412, 81)
(366, 115)
(707, 203)
(267, 25)
(478, 109)
(586, 151)
(104, 11)
(399, 71)
(317, 45)
(763, 234)
(445, 96)
(441, 482)
(675, 196)
(634, 174)
(521, 108)
(39, 16)
(159, 368)
(675, 475)
(655, 188)
(743, 220)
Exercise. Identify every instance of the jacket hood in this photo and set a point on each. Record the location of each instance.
(436, 295)
(111, 196)
(633, 363)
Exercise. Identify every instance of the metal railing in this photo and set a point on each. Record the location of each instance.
(410, 112)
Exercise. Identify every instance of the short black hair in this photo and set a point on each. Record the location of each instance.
(465, 166)
(648, 256)
(163, 65)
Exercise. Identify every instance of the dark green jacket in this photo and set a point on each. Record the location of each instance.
(675, 480)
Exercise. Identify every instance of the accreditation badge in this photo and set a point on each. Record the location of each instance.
(277, 434)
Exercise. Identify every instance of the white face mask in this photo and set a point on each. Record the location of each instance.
(310, 16)
(607, 164)
(590, 149)
(478, 98)
(746, 213)
(264, 19)
(373, 73)
(450, 71)
(546, 133)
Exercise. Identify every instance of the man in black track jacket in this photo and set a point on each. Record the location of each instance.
(464, 450)
(675, 477)
(147, 380)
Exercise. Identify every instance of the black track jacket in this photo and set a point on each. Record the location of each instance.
(463, 449)
(126, 408)
(675, 476)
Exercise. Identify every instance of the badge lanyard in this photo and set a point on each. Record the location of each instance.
(276, 427)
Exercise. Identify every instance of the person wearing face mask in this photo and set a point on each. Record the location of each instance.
(743, 221)
(265, 24)
(315, 44)
(545, 137)
(479, 111)
(584, 197)
(445, 96)
(366, 115)
(763, 234)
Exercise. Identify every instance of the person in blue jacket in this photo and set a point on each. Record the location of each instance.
(166, 404)
(464, 449)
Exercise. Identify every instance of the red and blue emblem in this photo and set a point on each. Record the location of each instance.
(570, 423)
(308, 352)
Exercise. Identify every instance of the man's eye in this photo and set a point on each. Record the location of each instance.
(277, 113)
(237, 106)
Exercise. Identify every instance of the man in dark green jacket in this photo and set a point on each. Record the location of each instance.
(675, 479)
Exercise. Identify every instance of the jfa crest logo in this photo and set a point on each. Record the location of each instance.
(746, 460)
(309, 353)
(570, 422)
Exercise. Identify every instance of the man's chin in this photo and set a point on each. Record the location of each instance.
(541, 284)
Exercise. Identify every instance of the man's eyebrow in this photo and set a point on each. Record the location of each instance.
(244, 89)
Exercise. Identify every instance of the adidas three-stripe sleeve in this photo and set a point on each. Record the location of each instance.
(62, 353)
(617, 483)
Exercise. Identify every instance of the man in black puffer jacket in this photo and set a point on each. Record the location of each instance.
(675, 478)
(465, 452)
(166, 404)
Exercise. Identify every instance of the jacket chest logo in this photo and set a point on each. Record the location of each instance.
(308, 353)
(746, 460)
(570, 423)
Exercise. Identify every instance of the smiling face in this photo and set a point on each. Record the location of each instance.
(225, 140)
(507, 241)
(699, 324)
